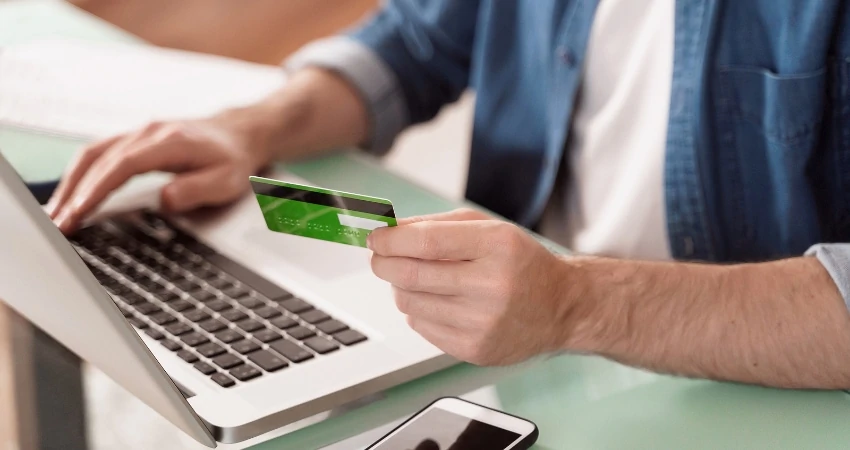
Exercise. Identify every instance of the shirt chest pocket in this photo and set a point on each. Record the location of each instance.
(767, 127)
(760, 109)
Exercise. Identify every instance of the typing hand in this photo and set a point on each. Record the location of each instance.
(482, 290)
(212, 159)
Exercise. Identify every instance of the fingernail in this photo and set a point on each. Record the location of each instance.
(370, 241)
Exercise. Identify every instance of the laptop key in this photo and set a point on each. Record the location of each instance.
(223, 380)
(187, 356)
(251, 302)
(132, 298)
(162, 318)
(220, 283)
(125, 312)
(229, 336)
(146, 308)
(173, 275)
(171, 345)
(165, 295)
(155, 334)
(209, 350)
(120, 289)
(321, 345)
(181, 305)
(227, 360)
(245, 346)
(178, 328)
(202, 295)
(234, 315)
(284, 322)
(194, 339)
(349, 337)
(245, 372)
(267, 360)
(301, 333)
(218, 305)
(212, 325)
(204, 273)
(186, 285)
(236, 291)
(196, 315)
(267, 312)
(249, 325)
(138, 323)
(266, 336)
(314, 316)
(331, 326)
(150, 285)
(290, 350)
(204, 368)
(296, 305)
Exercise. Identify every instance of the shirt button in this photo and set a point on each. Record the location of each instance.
(566, 56)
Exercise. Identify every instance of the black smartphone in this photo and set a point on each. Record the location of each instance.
(451, 423)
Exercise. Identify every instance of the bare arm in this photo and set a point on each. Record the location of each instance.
(781, 324)
(316, 111)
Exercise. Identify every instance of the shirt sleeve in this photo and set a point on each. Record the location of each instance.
(429, 45)
(370, 76)
(836, 259)
(407, 61)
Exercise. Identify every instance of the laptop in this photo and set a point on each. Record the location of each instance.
(224, 328)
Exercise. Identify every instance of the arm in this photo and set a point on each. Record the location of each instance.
(486, 292)
(781, 324)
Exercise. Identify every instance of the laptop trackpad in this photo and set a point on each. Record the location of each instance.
(322, 259)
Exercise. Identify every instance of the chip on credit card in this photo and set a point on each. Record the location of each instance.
(317, 213)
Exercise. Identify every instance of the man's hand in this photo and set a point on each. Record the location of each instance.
(212, 161)
(482, 290)
(315, 111)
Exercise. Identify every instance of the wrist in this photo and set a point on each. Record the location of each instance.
(258, 129)
(596, 304)
(316, 111)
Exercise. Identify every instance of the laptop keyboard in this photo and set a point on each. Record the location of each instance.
(228, 322)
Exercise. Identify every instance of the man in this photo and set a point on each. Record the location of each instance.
(693, 129)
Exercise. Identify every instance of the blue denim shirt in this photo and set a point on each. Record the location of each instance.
(758, 148)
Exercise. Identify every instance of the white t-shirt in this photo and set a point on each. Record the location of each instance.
(614, 200)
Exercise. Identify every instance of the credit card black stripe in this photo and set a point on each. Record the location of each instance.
(318, 198)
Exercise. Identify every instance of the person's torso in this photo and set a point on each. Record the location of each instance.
(757, 161)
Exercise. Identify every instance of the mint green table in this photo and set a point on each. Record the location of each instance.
(577, 402)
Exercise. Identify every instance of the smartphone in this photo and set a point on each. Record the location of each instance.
(451, 423)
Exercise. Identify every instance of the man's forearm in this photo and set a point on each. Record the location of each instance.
(315, 112)
(781, 324)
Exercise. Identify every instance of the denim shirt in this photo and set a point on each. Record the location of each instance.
(758, 147)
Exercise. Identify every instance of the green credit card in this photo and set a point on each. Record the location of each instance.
(318, 213)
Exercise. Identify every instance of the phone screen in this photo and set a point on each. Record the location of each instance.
(438, 429)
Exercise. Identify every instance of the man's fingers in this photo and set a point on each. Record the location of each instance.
(447, 338)
(442, 309)
(463, 241)
(207, 187)
(455, 215)
(434, 277)
(78, 167)
(112, 171)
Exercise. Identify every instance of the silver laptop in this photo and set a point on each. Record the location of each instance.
(226, 329)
